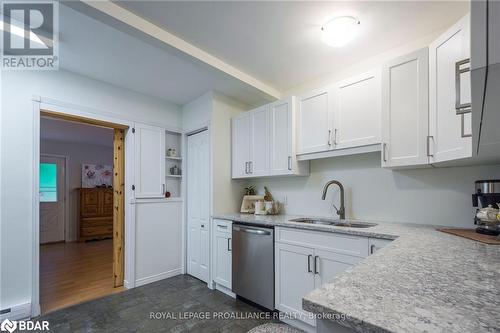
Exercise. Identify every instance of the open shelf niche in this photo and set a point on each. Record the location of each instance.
(173, 141)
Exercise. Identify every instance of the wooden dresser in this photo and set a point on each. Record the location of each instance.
(96, 213)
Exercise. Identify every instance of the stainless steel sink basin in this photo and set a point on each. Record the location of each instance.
(336, 223)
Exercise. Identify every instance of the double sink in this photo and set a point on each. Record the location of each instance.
(334, 222)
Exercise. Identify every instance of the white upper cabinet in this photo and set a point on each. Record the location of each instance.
(241, 128)
(283, 159)
(405, 111)
(449, 93)
(259, 142)
(149, 151)
(315, 117)
(357, 111)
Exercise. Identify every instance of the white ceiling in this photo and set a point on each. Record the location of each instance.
(106, 52)
(71, 132)
(279, 43)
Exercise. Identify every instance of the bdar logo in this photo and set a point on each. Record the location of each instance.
(8, 325)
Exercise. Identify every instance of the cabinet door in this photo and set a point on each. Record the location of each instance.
(281, 114)
(315, 121)
(405, 111)
(329, 264)
(259, 142)
(149, 161)
(294, 277)
(241, 145)
(222, 259)
(357, 111)
(450, 132)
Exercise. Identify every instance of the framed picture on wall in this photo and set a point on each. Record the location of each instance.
(94, 175)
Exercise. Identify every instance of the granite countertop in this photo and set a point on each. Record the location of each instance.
(423, 281)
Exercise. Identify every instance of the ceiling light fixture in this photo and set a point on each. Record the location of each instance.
(340, 31)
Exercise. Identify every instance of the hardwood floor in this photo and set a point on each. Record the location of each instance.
(72, 273)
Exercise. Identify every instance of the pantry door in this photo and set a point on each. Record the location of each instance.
(198, 197)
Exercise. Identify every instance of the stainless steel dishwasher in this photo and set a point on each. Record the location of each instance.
(253, 264)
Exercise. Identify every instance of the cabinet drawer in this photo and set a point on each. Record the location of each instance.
(101, 230)
(334, 242)
(96, 221)
(222, 226)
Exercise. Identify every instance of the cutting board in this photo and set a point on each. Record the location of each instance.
(472, 234)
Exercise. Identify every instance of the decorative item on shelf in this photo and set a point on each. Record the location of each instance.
(171, 152)
(248, 203)
(267, 195)
(175, 171)
(250, 190)
(260, 207)
(167, 194)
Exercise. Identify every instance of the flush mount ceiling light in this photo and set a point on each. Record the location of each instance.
(339, 31)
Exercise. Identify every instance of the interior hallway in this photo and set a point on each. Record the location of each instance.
(71, 273)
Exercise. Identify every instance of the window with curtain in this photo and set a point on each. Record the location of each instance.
(48, 182)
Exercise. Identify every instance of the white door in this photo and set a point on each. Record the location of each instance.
(149, 161)
(405, 111)
(222, 259)
(358, 111)
(450, 132)
(198, 197)
(52, 199)
(281, 137)
(241, 145)
(294, 277)
(329, 264)
(315, 121)
(259, 142)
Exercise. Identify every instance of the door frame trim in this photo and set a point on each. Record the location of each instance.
(54, 108)
(66, 191)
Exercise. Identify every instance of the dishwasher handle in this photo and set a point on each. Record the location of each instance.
(252, 231)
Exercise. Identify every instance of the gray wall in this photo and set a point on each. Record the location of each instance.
(77, 153)
(440, 196)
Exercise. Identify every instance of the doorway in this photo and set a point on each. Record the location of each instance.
(52, 199)
(198, 205)
(85, 260)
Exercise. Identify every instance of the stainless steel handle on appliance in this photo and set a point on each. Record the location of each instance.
(309, 257)
(329, 138)
(335, 137)
(252, 231)
(229, 244)
(384, 146)
(316, 265)
(462, 127)
(459, 107)
(429, 145)
(289, 162)
(372, 249)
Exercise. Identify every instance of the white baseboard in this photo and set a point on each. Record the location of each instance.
(225, 290)
(157, 277)
(21, 311)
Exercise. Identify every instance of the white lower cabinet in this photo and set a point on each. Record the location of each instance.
(304, 260)
(221, 253)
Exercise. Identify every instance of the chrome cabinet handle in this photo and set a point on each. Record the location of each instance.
(289, 162)
(203, 226)
(429, 145)
(229, 244)
(316, 265)
(372, 249)
(462, 127)
(384, 157)
(459, 107)
(222, 226)
(309, 257)
(329, 138)
(335, 137)
(250, 167)
(246, 168)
